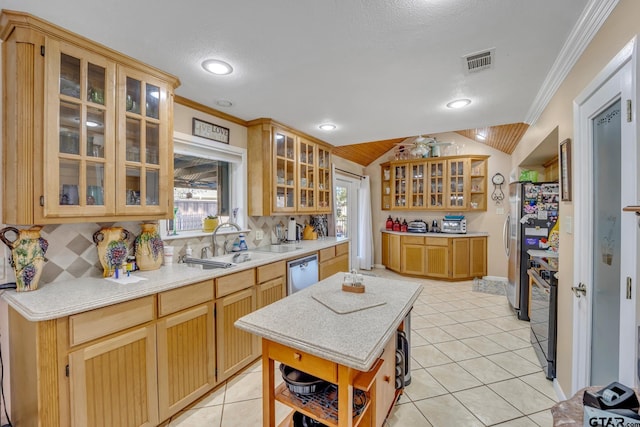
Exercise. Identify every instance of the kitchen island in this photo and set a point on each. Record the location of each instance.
(344, 338)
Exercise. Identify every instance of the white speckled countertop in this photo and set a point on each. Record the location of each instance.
(430, 234)
(354, 339)
(59, 299)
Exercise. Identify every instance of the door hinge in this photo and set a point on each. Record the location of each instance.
(41, 200)
(629, 114)
(42, 50)
(628, 287)
(66, 370)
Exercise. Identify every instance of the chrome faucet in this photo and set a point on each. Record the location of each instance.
(215, 233)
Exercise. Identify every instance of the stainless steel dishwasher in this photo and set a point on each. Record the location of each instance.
(301, 273)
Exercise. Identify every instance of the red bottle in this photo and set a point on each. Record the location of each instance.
(404, 227)
(389, 224)
(396, 225)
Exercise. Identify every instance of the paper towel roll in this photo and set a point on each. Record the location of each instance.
(291, 229)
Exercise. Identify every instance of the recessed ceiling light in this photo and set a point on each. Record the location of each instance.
(216, 66)
(459, 103)
(224, 103)
(327, 126)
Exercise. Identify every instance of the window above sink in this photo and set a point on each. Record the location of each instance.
(209, 179)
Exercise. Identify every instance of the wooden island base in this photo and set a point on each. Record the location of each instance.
(378, 384)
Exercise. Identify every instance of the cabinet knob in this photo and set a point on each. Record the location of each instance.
(387, 378)
(297, 356)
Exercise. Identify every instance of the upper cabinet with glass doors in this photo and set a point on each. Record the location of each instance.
(91, 129)
(456, 183)
(289, 173)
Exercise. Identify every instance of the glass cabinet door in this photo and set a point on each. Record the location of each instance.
(400, 186)
(436, 185)
(324, 180)
(306, 176)
(457, 190)
(143, 145)
(284, 160)
(80, 137)
(418, 186)
(386, 186)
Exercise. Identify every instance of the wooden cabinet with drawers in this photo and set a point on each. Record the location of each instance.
(333, 260)
(449, 258)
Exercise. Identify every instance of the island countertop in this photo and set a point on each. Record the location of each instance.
(354, 339)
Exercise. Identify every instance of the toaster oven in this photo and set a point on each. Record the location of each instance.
(453, 225)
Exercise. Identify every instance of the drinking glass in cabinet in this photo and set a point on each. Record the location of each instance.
(153, 101)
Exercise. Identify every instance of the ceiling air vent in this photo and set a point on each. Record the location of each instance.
(479, 61)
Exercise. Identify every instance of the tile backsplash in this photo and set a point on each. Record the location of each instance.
(73, 254)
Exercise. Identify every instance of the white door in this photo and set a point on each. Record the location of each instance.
(346, 212)
(605, 240)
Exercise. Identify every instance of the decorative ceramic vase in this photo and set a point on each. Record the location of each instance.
(149, 247)
(27, 256)
(112, 248)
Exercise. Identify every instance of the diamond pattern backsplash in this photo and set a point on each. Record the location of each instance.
(73, 254)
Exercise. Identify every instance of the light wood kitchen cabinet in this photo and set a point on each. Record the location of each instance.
(333, 260)
(236, 296)
(391, 251)
(290, 172)
(88, 145)
(459, 258)
(185, 346)
(456, 183)
(449, 258)
(113, 382)
(272, 283)
(437, 257)
(413, 254)
(477, 256)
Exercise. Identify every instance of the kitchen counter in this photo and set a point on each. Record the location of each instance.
(430, 234)
(354, 339)
(58, 299)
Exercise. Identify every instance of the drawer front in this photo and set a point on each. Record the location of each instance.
(305, 362)
(342, 248)
(270, 271)
(437, 241)
(235, 282)
(178, 299)
(98, 323)
(326, 254)
(413, 240)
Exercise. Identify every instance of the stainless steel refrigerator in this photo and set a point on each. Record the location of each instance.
(533, 213)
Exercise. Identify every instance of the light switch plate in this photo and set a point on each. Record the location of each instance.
(499, 211)
(259, 234)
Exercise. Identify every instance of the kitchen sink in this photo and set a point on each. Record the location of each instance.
(277, 248)
(240, 257)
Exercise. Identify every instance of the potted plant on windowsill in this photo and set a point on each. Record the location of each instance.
(210, 223)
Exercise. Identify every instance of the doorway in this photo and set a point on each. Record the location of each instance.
(346, 190)
(605, 180)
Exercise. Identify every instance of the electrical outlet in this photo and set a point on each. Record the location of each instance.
(259, 234)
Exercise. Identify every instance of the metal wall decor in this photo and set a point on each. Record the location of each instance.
(565, 169)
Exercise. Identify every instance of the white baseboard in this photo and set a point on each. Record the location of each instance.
(558, 390)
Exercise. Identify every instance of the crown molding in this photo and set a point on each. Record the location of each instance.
(593, 16)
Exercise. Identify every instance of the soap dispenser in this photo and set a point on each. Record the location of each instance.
(243, 243)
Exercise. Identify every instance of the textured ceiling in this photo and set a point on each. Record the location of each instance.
(379, 69)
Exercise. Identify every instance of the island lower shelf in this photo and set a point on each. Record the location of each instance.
(369, 397)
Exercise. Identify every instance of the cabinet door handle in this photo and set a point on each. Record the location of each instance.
(628, 287)
(297, 356)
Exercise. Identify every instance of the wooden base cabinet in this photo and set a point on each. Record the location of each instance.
(448, 258)
(113, 382)
(186, 358)
(333, 260)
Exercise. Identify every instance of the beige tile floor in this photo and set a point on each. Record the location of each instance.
(472, 365)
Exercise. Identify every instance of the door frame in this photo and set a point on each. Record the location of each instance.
(353, 189)
(623, 67)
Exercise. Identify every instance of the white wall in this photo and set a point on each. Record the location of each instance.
(491, 221)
